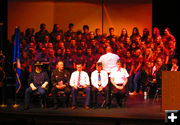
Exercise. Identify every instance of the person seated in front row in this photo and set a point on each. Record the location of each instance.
(60, 81)
(99, 80)
(38, 81)
(119, 79)
(80, 81)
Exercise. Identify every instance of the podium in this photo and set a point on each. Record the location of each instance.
(170, 90)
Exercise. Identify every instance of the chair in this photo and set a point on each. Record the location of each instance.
(60, 94)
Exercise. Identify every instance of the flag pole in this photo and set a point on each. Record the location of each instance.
(15, 105)
(102, 13)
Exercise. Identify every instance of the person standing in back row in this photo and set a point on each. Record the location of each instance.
(108, 61)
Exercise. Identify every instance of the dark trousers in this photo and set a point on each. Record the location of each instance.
(95, 94)
(119, 94)
(67, 91)
(109, 91)
(29, 91)
(75, 94)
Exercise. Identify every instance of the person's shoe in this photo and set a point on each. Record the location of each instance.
(107, 106)
(134, 93)
(26, 107)
(141, 92)
(73, 107)
(95, 106)
(130, 93)
(86, 107)
(56, 107)
(121, 105)
(42, 106)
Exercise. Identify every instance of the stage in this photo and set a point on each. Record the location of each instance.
(136, 111)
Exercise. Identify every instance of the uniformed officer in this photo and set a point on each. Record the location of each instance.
(60, 82)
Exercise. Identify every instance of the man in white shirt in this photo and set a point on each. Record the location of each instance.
(119, 78)
(99, 80)
(108, 60)
(80, 81)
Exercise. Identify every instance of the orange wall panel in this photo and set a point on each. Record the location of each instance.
(118, 15)
(29, 14)
(127, 16)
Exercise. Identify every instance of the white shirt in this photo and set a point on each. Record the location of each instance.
(174, 69)
(109, 61)
(154, 71)
(84, 78)
(119, 75)
(104, 78)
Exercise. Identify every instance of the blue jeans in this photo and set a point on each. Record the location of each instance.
(75, 93)
(130, 83)
(136, 80)
(28, 92)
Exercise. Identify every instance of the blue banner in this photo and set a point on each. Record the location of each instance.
(16, 60)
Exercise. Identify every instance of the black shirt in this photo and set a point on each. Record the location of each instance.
(38, 78)
(57, 76)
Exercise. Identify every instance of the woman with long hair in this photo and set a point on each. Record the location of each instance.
(146, 78)
(155, 34)
(135, 33)
(138, 60)
(129, 65)
(123, 35)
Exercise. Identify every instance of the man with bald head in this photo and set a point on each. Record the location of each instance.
(108, 61)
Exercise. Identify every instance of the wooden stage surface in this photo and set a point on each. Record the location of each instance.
(137, 111)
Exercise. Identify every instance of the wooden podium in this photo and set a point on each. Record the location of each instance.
(170, 90)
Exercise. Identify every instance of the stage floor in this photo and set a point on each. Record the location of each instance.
(136, 111)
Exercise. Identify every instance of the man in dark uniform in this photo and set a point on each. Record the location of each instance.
(38, 81)
(60, 81)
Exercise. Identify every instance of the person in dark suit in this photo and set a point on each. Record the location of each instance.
(60, 81)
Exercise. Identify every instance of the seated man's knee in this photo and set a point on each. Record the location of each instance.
(67, 90)
(74, 90)
(28, 90)
(42, 92)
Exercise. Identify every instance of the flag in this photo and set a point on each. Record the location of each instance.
(16, 60)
